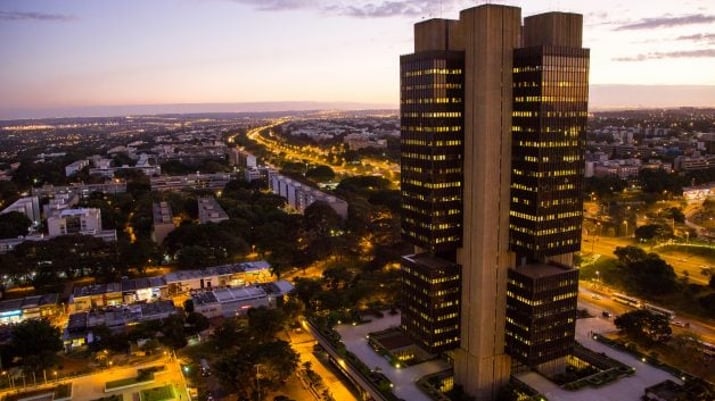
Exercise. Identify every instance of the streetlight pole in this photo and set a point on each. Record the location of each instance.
(258, 384)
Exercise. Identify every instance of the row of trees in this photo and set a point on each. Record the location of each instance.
(647, 275)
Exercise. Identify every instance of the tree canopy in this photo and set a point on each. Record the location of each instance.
(13, 224)
(36, 342)
(645, 324)
(645, 273)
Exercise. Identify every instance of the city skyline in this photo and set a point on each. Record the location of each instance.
(85, 57)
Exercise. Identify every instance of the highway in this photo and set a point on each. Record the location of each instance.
(597, 299)
(318, 156)
(680, 262)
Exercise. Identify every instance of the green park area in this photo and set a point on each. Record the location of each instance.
(162, 393)
(59, 392)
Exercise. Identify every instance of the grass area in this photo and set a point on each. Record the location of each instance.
(705, 251)
(141, 378)
(677, 353)
(115, 397)
(63, 390)
(162, 393)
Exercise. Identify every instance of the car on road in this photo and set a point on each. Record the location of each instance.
(606, 314)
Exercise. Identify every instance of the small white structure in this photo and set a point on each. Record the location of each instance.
(75, 221)
(29, 206)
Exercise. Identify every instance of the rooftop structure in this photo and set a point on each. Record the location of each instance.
(210, 211)
(29, 206)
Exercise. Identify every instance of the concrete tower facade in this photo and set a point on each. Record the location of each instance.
(492, 120)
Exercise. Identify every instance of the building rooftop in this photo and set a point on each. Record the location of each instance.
(28, 302)
(210, 210)
(238, 293)
(162, 213)
(538, 270)
(425, 259)
(96, 289)
(134, 284)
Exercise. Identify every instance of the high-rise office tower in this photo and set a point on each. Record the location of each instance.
(492, 121)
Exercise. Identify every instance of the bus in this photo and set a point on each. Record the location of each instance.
(659, 311)
(626, 300)
(707, 348)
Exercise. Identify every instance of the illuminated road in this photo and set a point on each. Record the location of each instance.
(317, 155)
(303, 342)
(597, 299)
(693, 264)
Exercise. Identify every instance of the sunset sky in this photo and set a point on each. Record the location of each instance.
(69, 54)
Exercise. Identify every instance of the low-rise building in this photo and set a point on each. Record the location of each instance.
(75, 221)
(236, 301)
(75, 167)
(166, 286)
(80, 325)
(300, 195)
(29, 206)
(210, 211)
(213, 182)
(96, 296)
(13, 311)
(163, 222)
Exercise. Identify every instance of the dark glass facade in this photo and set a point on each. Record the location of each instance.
(541, 312)
(548, 124)
(431, 145)
(430, 298)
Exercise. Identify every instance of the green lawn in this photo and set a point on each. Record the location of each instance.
(129, 381)
(162, 393)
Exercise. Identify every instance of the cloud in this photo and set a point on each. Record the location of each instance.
(698, 37)
(278, 5)
(409, 8)
(355, 8)
(34, 16)
(703, 53)
(667, 22)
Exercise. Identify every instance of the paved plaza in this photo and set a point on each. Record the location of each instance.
(355, 340)
(625, 389)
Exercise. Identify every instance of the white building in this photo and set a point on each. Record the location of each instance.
(163, 222)
(75, 221)
(236, 301)
(300, 195)
(29, 206)
(74, 167)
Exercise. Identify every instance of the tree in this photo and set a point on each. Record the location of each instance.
(229, 334)
(277, 361)
(645, 273)
(173, 330)
(265, 323)
(269, 363)
(708, 303)
(336, 277)
(37, 342)
(653, 231)
(630, 254)
(196, 323)
(14, 224)
(645, 324)
(307, 289)
(677, 214)
(320, 173)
